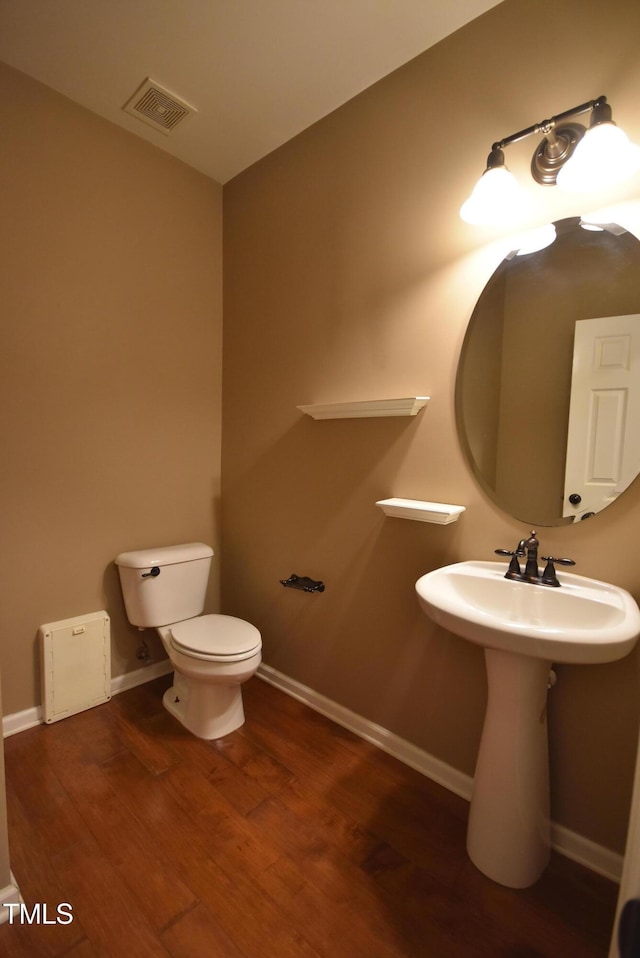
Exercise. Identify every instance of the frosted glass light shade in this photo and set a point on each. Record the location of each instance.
(496, 199)
(534, 240)
(602, 158)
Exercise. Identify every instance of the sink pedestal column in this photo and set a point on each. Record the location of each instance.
(508, 833)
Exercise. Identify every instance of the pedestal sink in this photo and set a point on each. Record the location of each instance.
(524, 628)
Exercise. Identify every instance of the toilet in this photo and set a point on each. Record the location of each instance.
(212, 655)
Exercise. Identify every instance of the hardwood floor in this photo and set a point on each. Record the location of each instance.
(290, 838)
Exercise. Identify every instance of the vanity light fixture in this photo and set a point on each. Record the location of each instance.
(574, 158)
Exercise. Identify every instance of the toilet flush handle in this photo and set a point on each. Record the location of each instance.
(155, 571)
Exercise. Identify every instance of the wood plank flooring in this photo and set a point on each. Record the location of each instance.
(291, 838)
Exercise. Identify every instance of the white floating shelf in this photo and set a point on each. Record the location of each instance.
(439, 512)
(366, 409)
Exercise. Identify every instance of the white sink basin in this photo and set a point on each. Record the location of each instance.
(585, 621)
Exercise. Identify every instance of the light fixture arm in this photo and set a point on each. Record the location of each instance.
(548, 126)
(559, 143)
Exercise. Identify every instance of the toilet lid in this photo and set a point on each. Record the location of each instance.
(216, 635)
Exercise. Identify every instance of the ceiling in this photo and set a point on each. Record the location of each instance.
(257, 71)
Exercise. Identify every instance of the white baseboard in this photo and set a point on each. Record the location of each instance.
(568, 843)
(9, 895)
(129, 680)
(21, 721)
(410, 754)
(582, 850)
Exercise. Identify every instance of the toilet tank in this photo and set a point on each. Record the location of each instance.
(173, 593)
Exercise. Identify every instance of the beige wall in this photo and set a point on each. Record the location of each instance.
(111, 368)
(348, 275)
(5, 865)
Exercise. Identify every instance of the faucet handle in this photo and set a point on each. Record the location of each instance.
(549, 576)
(514, 571)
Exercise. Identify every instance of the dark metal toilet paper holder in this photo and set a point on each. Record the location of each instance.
(302, 582)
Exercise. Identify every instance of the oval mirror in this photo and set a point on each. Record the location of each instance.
(548, 385)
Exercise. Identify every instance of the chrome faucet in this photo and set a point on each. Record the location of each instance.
(529, 548)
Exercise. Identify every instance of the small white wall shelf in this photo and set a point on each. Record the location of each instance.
(439, 512)
(366, 409)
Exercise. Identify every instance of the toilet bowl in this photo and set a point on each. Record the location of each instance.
(212, 655)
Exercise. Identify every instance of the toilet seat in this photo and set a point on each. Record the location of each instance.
(216, 638)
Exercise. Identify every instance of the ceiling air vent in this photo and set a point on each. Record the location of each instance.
(156, 106)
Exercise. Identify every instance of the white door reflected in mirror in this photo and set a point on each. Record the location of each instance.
(603, 440)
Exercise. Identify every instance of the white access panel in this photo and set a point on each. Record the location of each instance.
(76, 665)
